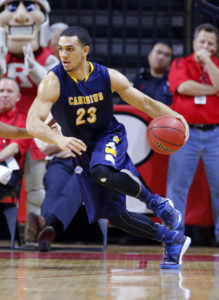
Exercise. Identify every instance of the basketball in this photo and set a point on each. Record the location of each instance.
(166, 134)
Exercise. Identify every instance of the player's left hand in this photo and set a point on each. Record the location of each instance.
(71, 145)
(29, 58)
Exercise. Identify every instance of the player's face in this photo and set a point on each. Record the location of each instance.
(21, 21)
(9, 95)
(205, 40)
(72, 53)
(159, 57)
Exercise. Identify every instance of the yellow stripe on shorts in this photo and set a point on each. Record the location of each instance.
(111, 151)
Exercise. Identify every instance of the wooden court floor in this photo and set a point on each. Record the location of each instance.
(120, 273)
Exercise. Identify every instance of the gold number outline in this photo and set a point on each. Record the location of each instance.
(81, 112)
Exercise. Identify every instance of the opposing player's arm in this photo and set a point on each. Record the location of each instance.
(12, 132)
(121, 85)
(48, 93)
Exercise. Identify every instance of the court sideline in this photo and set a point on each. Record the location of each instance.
(120, 273)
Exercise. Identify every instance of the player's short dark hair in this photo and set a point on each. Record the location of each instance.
(206, 27)
(81, 32)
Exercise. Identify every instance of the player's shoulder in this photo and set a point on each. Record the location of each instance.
(50, 86)
(51, 77)
(115, 76)
(114, 73)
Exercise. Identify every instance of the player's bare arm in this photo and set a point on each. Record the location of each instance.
(47, 95)
(121, 85)
(12, 132)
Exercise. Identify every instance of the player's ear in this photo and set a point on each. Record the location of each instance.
(86, 50)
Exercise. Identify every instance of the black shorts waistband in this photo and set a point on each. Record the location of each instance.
(204, 127)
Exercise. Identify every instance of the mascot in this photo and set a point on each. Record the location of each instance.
(24, 55)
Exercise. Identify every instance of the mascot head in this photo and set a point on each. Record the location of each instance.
(24, 22)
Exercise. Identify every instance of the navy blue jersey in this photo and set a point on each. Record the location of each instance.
(84, 108)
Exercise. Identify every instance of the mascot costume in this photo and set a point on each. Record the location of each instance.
(24, 55)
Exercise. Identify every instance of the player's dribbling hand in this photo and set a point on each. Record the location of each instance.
(72, 145)
(182, 119)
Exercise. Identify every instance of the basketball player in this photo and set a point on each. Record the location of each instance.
(79, 95)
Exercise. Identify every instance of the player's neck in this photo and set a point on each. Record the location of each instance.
(81, 72)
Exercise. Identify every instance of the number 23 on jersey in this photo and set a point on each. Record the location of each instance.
(86, 115)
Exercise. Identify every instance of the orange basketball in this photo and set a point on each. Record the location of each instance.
(166, 134)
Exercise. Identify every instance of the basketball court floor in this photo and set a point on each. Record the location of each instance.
(119, 273)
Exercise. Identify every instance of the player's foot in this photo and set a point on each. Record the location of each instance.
(45, 238)
(34, 225)
(164, 208)
(174, 252)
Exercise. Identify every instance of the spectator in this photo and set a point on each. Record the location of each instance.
(24, 55)
(12, 151)
(194, 82)
(54, 32)
(96, 178)
(153, 81)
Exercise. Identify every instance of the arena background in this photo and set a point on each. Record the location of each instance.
(123, 32)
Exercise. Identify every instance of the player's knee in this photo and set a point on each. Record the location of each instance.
(100, 174)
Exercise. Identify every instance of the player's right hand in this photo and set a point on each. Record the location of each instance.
(183, 120)
(71, 145)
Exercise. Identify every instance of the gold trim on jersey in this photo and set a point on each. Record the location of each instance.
(87, 76)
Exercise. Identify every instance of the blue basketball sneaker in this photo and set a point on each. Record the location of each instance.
(175, 250)
(164, 208)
